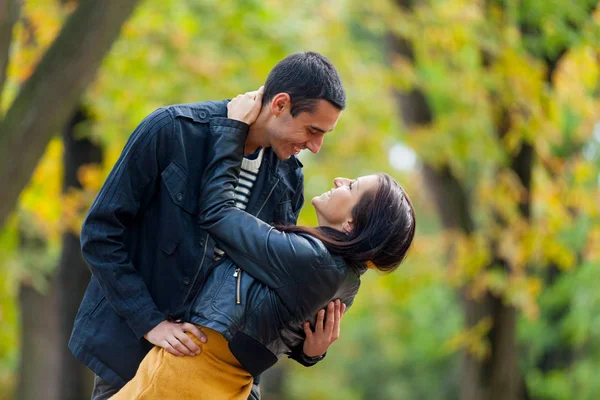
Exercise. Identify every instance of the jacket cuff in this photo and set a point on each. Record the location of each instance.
(298, 355)
(143, 322)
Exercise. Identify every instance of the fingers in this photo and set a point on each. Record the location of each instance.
(189, 347)
(319, 324)
(194, 330)
(168, 347)
(259, 94)
(331, 317)
(256, 92)
(177, 344)
(336, 325)
(307, 331)
(246, 107)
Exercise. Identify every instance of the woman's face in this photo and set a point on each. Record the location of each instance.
(334, 208)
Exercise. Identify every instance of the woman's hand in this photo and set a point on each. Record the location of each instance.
(246, 107)
(317, 342)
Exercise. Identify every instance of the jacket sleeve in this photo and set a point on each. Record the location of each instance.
(130, 184)
(297, 354)
(264, 252)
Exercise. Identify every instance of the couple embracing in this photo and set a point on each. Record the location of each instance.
(201, 280)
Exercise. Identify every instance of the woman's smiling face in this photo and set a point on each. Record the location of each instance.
(334, 208)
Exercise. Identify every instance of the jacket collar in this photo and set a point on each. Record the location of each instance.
(278, 167)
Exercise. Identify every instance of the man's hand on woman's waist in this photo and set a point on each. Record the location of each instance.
(172, 337)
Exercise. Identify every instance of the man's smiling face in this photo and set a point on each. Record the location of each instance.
(289, 135)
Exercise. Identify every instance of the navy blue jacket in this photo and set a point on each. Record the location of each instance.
(270, 282)
(142, 238)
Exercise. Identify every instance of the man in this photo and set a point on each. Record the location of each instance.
(141, 238)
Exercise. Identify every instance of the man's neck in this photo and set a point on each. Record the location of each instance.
(256, 136)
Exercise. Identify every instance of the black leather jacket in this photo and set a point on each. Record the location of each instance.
(142, 241)
(270, 282)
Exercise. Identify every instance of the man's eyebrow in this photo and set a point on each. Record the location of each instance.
(316, 128)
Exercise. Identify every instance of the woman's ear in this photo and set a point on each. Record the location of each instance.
(348, 226)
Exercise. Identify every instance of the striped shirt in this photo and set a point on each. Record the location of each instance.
(243, 190)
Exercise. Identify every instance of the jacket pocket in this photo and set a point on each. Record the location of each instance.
(92, 299)
(176, 182)
(170, 246)
(100, 302)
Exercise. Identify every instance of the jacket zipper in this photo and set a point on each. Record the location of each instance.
(268, 196)
(238, 296)
(238, 272)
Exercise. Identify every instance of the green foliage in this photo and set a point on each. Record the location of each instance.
(473, 61)
(8, 310)
(390, 348)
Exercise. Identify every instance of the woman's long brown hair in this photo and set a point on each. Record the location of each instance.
(383, 228)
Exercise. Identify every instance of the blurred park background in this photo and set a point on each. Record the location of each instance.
(487, 111)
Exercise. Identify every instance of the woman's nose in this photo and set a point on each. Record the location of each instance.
(341, 182)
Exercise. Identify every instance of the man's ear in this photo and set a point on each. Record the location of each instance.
(280, 103)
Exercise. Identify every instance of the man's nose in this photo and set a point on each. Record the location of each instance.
(314, 145)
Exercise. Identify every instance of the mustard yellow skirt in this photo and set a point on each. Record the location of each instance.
(213, 374)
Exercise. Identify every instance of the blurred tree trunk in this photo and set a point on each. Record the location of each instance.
(496, 377)
(39, 333)
(9, 13)
(48, 369)
(272, 386)
(47, 99)
(75, 380)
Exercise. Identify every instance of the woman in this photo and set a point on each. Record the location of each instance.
(254, 305)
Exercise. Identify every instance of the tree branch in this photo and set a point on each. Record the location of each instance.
(49, 96)
(9, 13)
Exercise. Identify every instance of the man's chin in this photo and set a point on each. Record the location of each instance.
(282, 156)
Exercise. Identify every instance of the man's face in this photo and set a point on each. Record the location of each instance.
(288, 135)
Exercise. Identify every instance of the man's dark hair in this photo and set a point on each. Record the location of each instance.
(307, 77)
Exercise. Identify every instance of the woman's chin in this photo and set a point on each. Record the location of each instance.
(316, 202)
(319, 201)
